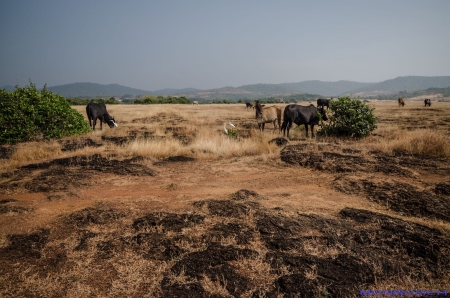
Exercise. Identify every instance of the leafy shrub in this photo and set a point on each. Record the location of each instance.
(27, 114)
(350, 117)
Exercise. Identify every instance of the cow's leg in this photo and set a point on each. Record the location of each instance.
(94, 123)
(288, 127)
(312, 130)
(306, 128)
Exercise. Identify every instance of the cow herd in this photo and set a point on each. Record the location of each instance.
(293, 113)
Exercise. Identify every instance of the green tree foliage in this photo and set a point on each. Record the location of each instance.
(163, 100)
(349, 117)
(27, 113)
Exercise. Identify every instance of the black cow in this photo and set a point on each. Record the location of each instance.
(302, 115)
(323, 103)
(98, 110)
(249, 105)
(427, 102)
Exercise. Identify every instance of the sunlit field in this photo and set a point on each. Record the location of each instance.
(169, 205)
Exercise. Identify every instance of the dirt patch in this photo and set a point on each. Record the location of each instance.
(6, 201)
(318, 158)
(14, 209)
(6, 152)
(65, 174)
(225, 208)
(245, 194)
(279, 141)
(25, 246)
(214, 263)
(118, 140)
(168, 221)
(398, 196)
(72, 145)
(442, 188)
(93, 215)
(178, 158)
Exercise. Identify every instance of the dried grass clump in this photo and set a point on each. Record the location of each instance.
(422, 142)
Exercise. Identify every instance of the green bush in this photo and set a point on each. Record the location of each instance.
(27, 114)
(349, 117)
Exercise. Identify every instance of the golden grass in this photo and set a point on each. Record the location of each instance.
(424, 142)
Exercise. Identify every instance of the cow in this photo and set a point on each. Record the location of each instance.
(323, 103)
(308, 115)
(249, 105)
(96, 111)
(401, 102)
(195, 102)
(427, 102)
(265, 115)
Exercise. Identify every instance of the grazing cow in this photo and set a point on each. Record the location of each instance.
(401, 102)
(266, 115)
(427, 102)
(302, 115)
(323, 103)
(249, 105)
(195, 102)
(98, 110)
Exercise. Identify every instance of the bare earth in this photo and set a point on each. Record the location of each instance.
(318, 218)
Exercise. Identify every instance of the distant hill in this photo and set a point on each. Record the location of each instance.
(94, 90)
(406, 84)
(169, 91)
(250, 92)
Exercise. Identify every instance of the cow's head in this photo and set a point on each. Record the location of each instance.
(258, 110)
(110, 121)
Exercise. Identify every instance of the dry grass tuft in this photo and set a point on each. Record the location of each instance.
(422, 142)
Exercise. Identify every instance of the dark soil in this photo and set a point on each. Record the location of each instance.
(178, 158)
(25, 246)
(65, 174)
(93, 215)
(398, 196)
(442, 188)
(279, 141)
(72, 145)
(309, 255)
(6, 152)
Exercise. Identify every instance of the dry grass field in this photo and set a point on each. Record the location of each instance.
(167, 205)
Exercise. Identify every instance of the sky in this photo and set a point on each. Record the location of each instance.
(153, 45)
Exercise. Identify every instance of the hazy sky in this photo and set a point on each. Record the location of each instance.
(207, 44)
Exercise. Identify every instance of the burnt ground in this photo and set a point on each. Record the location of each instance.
(68, 174)
(307, 255)
(426, 200)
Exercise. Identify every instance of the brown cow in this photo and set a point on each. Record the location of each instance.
(266, 115)
(427, 102)
(401, 102)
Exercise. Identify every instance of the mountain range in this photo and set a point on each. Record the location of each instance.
(325, 89)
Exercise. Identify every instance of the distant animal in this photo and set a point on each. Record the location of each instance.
(225, 128)
(195, 102)
(231, 124)
(249, 105)
(323, 103)
(96, 111)
(401, 102)
(427, 102)
(307, 115)
(265, 115)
